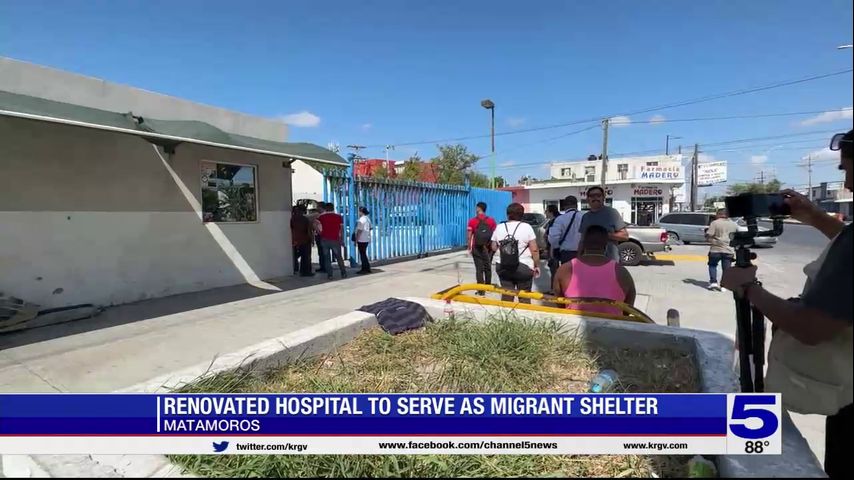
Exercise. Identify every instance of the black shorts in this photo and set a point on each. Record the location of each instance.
(520, 279)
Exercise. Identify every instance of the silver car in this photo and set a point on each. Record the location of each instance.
(690, 227)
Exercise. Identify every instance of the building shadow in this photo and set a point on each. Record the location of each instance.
(162, 306)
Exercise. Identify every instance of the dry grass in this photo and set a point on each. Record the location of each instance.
(504, 354)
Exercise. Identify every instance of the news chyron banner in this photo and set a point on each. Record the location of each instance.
(390, 424)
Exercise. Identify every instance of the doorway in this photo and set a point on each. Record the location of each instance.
(646, 210)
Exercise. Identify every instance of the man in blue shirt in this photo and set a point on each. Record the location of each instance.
(564, 233)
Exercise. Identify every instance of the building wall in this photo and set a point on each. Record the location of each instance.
(96, 217)
(621, 196)
(44, 82)
(307, 182)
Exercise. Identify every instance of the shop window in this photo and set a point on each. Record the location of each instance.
(565, 172)
(229, 193)
(546, 204)
(651, 164)
(623, 171)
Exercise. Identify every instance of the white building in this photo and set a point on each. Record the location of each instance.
(104, 206)
(640, 188)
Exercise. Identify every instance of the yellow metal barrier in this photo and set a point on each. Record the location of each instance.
(456, 294)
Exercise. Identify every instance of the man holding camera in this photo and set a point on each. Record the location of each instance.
(811, 361)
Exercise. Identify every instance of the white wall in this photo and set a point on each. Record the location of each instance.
(621, 196)
(307, 182)
(99, 217)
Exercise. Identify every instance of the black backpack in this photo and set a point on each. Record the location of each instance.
(508, 249)
(482, 234)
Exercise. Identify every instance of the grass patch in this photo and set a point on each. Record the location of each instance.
(502, 354)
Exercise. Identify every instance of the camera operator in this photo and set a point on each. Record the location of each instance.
(811, 368)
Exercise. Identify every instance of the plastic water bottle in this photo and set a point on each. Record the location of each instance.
(449, 310)
(603, 381)
(699, 467)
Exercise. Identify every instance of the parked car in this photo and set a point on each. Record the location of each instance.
(690, 227)
(538, 221)
(642, 242)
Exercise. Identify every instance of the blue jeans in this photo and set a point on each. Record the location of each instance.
(725, 260)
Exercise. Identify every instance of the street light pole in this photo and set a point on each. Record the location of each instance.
(667, 143)
(489, 105)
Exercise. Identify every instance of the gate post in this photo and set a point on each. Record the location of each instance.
(351, 207)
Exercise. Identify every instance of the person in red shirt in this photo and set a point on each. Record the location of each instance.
(479, 232)
(331, 239)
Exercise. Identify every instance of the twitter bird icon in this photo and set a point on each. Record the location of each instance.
(220, 447)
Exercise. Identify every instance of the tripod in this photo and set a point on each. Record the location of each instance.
(750, 321)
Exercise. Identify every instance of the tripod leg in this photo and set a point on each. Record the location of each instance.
(745, 343)
(758, 350)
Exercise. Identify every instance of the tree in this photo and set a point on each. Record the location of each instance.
(452, 163)
(411, 169)
(771, 186)
(380, 172)
(526, 179)
(499, 182)
(479, 180)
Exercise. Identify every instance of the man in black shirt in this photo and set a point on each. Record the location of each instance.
(826, 309)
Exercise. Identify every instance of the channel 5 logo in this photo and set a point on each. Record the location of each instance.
(754, 416)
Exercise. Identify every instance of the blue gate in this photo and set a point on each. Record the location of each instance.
(409, 218)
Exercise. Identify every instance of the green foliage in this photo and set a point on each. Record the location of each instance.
(380, 172)
(453, 162)
(411, 169)
(771, 186)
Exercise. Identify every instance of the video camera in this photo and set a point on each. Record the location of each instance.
(750, 320)
(751, 207)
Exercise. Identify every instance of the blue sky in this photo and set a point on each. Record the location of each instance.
(391, 72)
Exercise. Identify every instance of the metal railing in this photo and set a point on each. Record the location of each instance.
(410, 219)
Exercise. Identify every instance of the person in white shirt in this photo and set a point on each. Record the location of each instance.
(518, 259)
(363, 238)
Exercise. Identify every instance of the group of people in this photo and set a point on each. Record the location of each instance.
(581, 249)
(810, 357)
(325, 229)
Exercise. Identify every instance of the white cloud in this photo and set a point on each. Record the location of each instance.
(758, 159)
(620, 121)
(301, 119)
(823, 154)
(656, 119)
(832, 116)
(516, 121)
(367, 126)
(508, 163)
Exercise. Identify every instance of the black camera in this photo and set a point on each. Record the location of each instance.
(753, 205)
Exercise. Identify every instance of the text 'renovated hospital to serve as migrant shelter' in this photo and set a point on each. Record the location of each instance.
(642, 189)
(116, 194)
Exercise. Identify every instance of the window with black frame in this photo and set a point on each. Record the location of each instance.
(229, 193)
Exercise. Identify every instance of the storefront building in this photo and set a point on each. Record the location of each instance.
(642, 189)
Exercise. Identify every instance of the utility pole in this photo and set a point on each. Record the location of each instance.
(605, 124)
(809, 174)
(694, 161)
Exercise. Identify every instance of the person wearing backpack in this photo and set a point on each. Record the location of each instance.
(564, 235)
(518, 259)
(480, 228)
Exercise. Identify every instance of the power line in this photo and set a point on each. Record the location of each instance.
(646, 110)
(734, 117)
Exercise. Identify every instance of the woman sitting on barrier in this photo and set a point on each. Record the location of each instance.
(593, 275)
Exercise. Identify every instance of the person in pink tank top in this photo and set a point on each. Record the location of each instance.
(593, 275)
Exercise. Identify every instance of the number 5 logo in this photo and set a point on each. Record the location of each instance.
(741, 411)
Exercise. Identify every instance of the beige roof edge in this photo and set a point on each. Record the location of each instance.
(138, 133)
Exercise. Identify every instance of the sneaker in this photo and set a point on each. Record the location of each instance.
(714, 287)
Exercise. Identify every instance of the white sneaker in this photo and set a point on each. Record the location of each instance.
(715, 287)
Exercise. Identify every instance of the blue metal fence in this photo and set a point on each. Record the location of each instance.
(409, 218)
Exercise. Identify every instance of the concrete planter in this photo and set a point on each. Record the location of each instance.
(712, 352)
